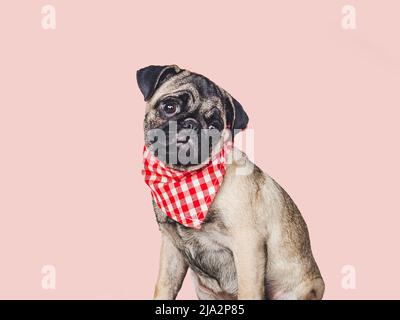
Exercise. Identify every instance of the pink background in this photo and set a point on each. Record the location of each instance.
(324, 104)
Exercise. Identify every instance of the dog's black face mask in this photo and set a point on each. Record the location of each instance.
(186, 115)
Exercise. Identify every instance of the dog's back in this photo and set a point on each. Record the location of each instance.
(291, 271)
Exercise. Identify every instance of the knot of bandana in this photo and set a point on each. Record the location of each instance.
(185, 196)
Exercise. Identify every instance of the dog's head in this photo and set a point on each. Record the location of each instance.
(187, 115)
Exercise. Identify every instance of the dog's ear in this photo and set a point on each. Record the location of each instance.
(236, 117)
(151, 77)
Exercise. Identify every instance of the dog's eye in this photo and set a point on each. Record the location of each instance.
(215, 125)
(170, 108)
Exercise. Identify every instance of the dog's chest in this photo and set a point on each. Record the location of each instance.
(207, 250)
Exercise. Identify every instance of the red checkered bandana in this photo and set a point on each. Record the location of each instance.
(185, 196)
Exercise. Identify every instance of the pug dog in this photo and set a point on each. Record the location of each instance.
(253, 243)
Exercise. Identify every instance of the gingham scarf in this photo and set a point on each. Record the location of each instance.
(185, 196)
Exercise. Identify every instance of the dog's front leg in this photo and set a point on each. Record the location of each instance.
(172, 271)
(250, 261)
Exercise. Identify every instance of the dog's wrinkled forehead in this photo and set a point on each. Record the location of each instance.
(158, 82)
(198, 87)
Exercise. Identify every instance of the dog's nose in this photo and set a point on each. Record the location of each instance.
(190, 124)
